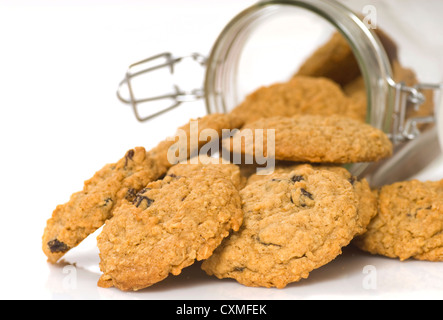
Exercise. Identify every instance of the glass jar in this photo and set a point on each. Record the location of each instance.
(267, 43)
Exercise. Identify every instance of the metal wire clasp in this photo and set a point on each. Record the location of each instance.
(410, 97)
(144, 66)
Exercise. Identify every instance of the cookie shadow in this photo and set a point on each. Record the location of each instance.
(347, 267)
(191, 276)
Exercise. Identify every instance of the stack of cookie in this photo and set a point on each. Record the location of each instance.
(261, 229)
(295, 220)
(299, 217)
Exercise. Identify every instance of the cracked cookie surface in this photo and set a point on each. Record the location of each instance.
(409, 223)
(170, 224)
(335, 59)
(293, 223)
(87, 210)
(300, 95)
(311, 138)
(367, 199)
(195, 165)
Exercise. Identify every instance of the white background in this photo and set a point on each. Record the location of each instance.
(60, 121)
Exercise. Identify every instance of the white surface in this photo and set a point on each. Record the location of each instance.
(60, 121)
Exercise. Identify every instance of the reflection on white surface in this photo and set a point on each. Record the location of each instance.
(353, 275)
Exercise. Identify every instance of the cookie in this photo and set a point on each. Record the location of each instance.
(169, 225)
(314, 139)
(335, 59)
(87, 210)
(189, 168)
(300, 95)
(367, 200)
(248, 171)
(409, 223)
(356, 91)
(293, 223)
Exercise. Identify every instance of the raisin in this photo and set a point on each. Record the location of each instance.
(297, 179)
(306, 194)
(352, 180)
(130, 194)
(57, 246)
(143, 191)
(129, 155)
(106, 202)
(301, 203)
(139, 199)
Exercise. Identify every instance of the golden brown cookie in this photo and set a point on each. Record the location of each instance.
(356, 91)
(169, 225)
(300, 95)
(190, 167)
(87, 210)
(409, 223)
(314, 139)
(367, 200)
(294, 223)
(335, 59)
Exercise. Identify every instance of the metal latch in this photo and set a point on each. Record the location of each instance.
(177, 96)
(404, 129)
